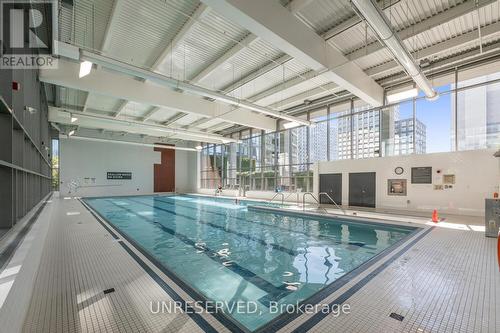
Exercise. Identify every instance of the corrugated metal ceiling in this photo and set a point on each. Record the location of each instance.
(142, 30)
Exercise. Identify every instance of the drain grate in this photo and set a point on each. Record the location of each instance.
(110, 290)
(396, 316)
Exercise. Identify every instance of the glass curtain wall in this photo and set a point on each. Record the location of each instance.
(283, 159)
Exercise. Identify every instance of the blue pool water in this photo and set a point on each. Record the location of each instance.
(231, 254)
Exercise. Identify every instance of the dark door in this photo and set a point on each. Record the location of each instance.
(164, 173)
(331, 183)
(362, 189)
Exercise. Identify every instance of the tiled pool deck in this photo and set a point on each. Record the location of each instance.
(446, 280)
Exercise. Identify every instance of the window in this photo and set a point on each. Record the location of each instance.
(433, 123)
(264, 161)
(478, 116)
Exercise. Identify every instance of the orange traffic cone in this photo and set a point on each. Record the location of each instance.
(435, 217)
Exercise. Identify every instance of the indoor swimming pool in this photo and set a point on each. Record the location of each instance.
(226, 252)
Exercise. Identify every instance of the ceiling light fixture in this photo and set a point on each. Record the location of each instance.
(85, 68)
(152, 145)
(71, 133)
(402, 95)
(83, 118)
(198, 147)
(73, 118)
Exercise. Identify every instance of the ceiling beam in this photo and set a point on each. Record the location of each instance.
(447, 65)
(424, 25)
(170, 47)
(127, 88)
(174, 118)
(257, 73)
(293, 37)
(121, 107)
(108, 33)
(295, 6)
(310, 75)
(309, 94)
(87, 120)
(353, 20)
(197, 122)
(456, 11)
(227, 56)
(152, 110)
(111, 26)
(444, 46)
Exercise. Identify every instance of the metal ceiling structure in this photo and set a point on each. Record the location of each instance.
(317, 49)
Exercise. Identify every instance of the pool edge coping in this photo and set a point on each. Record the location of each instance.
(284, 319)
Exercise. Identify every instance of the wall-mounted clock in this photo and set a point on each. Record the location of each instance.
(399, 171)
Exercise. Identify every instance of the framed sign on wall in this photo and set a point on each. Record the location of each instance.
(421, 175)
(396, 187)
(119, 175)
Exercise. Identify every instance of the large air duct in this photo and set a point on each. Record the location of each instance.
(382, 27)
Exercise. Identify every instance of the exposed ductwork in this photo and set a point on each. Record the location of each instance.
(382, 27)
(73, 52)
(95, 121)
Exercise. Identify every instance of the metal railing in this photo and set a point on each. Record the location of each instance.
(296, 193)
(329, 197)
(282, 197)
(315, 199)
(318, 201)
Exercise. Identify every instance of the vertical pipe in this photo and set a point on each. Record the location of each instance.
(308, 150)
(455, 109)
(352, 127)
(250, 148)
(262, 158)
(276, 152)
(380, 143)
(414, 141)
(328, 132)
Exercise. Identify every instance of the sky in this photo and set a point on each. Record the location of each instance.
(436, 115)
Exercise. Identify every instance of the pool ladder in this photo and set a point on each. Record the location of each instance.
(282, 197)
(319, 204)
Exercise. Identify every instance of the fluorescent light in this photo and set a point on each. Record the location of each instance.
(71, 133)
(153, 145)
(291, 124)
(392, 98)
(73, 119)
(141, 127)
(85, 68)
(199, 147)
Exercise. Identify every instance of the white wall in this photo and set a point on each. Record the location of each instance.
(185, 171)
(477, 175)
(86, 159)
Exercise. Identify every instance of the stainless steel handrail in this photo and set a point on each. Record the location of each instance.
(329, 197)
(315, 199)
(296, 193)
(282, 197)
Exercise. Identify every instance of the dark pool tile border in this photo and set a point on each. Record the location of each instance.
(202, 323)
(98, 217)
(224, 319)
(284, 319)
